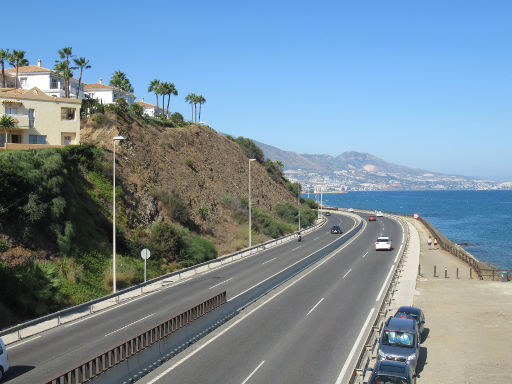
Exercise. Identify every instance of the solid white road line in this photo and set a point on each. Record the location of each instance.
(385, 283)
(243, 317)
(222, 282)
(268, 261)
(314, 307)
(126, 326)
(253, 372)
(345, 275)
(365, 255)
(355, 346)
(23, 342)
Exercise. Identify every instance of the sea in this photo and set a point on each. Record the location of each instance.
(480, 221)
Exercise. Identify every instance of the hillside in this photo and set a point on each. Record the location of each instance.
(181, 191)
(200, 165)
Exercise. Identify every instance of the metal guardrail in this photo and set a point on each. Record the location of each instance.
(497, 274)
(370, 345)
(123, 351)
(72, 313)
(453, 248)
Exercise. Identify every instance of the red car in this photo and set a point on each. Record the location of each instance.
(372, 218)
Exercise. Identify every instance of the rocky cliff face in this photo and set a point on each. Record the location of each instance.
(200, 165)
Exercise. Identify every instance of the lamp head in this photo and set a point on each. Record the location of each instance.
(118, 138)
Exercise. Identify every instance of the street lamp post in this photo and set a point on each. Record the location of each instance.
(250, 210)
(298, 193)
(114, 139)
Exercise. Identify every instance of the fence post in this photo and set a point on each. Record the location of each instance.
(435, 275)
(445, 272)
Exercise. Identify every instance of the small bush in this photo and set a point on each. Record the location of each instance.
(189, 163)
(174, 205)
(136, 110)
(98, 118)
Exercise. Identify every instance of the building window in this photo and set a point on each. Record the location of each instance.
(37, 139)
(23, 82)
(11, 111)
(67, 140)
(16, 139)
(31, 118)
(67, 113)
(54, 83)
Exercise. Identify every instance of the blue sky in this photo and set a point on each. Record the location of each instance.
(425, 84)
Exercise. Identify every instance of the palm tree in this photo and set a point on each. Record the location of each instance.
(171, 90)
(65, 53)
(119, 80)
(17, 59)
(202, 100)
(62, 68)
(7, 123)
(190, 98)
(4, 55)
(154, 87)
(82, 63)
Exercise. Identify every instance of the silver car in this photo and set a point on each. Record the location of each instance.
(400, 341)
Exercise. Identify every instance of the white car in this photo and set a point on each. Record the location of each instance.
(383, 242)
(351, 209)
(4, 363)
(379, 214)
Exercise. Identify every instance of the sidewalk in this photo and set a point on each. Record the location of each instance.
(468, 321)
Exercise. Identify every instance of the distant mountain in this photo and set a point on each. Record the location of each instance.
(350, 160)
(362, 171)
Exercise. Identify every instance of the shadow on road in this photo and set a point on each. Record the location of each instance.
(422, 359)
(424, 335)
(16, 371)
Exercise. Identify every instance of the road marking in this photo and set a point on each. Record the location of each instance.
(222, 282)
(243, 317)
(345, 275)
(385, 283)
(253, 372)
(353, 350)
(126, 326)
(365, 255)
(268, 261)
(23, 342)
(294, 249)
(298, 261)
(316, 305)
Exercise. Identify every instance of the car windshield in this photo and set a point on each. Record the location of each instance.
(386, 379)
(398, 339)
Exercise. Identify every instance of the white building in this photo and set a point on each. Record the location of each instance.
(107, 94)
(47, 80)
(150, 109)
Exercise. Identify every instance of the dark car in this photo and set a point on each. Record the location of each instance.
(336, 229)
(372, 218)
(412, 313)
(400, 341)
(394, 372)
(327, 213)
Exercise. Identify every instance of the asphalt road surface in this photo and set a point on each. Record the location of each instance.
(307, 331)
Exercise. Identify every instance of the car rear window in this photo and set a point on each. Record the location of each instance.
(386, 379)
(382, 240)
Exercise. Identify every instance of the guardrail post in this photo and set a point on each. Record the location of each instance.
(470, 272)
(435, 275)
(457, 272)
(445, 272)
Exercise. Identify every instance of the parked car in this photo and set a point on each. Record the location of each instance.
(399, 341)
(372, 218)
(414, 313)
(351, 209)
(4, 362)
(327, 213)
(336, 229)
(394, 372)
(379, 214)
(383, 242)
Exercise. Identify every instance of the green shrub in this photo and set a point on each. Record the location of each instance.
(251, 150)
(189, 163)
(3, 246)
(98, 118)
(174, 205)
(136, 110)
(177, 119)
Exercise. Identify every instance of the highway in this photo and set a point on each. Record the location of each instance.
(307, 331)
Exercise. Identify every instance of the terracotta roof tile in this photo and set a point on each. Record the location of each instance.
(28, 68)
